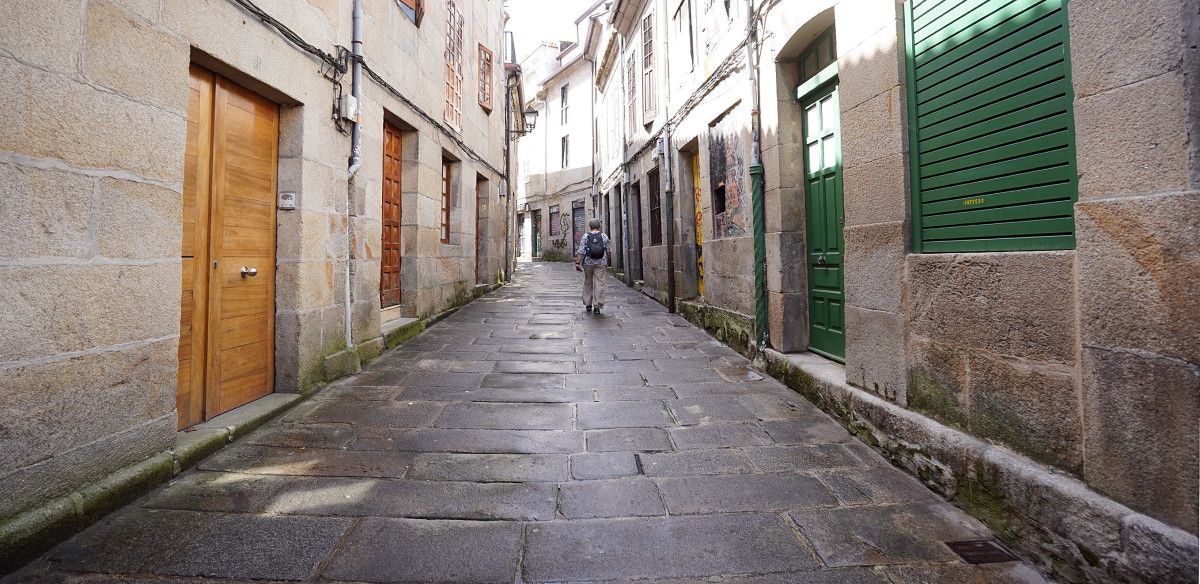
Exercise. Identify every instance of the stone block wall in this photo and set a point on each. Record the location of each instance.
(1135, 69)
(90, 183)
(91, 173)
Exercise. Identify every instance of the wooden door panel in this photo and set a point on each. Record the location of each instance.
(242, 230)
(193, 305)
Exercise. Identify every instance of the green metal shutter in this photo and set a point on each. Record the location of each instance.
(991, 125)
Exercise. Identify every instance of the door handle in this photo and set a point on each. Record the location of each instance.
(249, 271)
(820, 260)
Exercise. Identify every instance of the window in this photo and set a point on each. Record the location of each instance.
(447, 169)
(454, 67)
(485, 77)
(656, 237)
(648, 100)
(631, 92)
(821, 54)
(566, 157)
(554, 228)
(685, 40)
(413, 9)
(562, 97)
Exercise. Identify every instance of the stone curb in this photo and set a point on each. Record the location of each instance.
(1056, 521)
(1063, 527)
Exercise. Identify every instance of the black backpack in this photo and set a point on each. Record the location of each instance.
(594, 246)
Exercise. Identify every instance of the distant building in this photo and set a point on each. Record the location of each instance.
(555, 185)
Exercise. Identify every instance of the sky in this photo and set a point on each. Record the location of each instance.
(534, 21)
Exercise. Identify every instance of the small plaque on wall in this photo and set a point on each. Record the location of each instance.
(287, 201)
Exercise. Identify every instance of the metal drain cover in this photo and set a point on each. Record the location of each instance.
(981, 551)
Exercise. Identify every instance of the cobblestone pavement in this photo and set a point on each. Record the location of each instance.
(524, 440)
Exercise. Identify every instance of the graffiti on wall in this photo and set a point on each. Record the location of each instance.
(726, 171)
(564, 226)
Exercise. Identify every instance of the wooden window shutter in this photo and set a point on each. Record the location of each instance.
(992, 131)
(415, 9)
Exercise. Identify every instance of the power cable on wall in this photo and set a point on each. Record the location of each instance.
(340, 65)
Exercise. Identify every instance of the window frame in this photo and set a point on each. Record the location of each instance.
(554, 214)
(447, 192)
(486, 77)
(649, 97)
(455, 21)
(563, 92)
(565, 143)
(654, 200)
(631, 91)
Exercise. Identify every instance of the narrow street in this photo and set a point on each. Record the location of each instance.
(524, 440)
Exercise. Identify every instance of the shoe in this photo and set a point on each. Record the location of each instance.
(587, 307)
(596, 309)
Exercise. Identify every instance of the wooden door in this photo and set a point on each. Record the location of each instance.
(389, 265)
(825, 219)
(227, 316)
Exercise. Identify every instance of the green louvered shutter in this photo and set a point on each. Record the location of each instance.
(993, 156)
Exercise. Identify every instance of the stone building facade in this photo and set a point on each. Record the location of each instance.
(979, 234)
(175, 166)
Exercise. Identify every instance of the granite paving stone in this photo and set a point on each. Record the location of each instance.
(803, 457)
(270, 460)
(720, 435)
(258, 547)
(135, 540)
(522, 439)
(408, 550)
(898, 534)
(603, 465)
(623, 414)
(440, 466)
(628, 440)
(610, 498)
(471, 440)
(606, 549)
(692, 411)
(695, 462)
(416, 499)
(743, 492)
(508, 416)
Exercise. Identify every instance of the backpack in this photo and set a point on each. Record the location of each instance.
(593, 246)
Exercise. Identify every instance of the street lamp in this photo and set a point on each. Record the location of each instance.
(530, 120)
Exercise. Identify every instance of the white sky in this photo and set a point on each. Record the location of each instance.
(534, 21)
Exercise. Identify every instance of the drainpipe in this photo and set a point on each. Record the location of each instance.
(756, 186)
(668, 181)
(508, 195)
(355, 155)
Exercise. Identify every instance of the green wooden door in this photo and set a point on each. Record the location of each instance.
(825, 216)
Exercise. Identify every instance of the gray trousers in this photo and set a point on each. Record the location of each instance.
(593, 285)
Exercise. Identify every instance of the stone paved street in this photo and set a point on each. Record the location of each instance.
(524, 440)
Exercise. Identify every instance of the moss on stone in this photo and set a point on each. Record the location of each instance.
(929, 396)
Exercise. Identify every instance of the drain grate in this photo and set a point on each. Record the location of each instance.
(981, 551)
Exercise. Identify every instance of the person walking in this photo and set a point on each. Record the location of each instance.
(591, 258)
